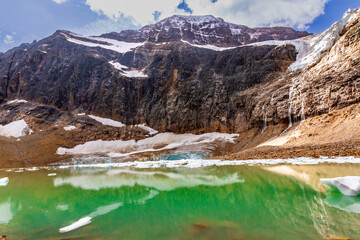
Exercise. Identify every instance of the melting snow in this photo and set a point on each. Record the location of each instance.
(107, 121)
(15, 129)
(128, 73)
(69, 128)
(17, 101)
(148, 129)
(349, 185)
(121, 148)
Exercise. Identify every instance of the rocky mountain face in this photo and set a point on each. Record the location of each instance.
(189, 74)
(204, 30)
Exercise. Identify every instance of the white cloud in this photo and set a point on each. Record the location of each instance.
(105, 26)
(9, 39)
(59, 1)
(293, 13)
(140, 11)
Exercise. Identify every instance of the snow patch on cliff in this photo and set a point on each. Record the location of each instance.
(128, 73)
(15, 129)
(106, 43)
(107, 121)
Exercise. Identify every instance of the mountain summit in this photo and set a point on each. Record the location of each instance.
(204, 30)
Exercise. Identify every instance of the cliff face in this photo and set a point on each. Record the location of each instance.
(171, 77)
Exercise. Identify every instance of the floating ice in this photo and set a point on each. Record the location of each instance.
(82, 222)
(15, 129)
(4, 181)
(349, 185)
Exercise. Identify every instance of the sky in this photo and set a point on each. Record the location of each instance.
(23, 21)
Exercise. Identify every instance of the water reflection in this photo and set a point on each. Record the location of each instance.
(340, 201)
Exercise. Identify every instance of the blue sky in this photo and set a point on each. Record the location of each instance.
(27, 20)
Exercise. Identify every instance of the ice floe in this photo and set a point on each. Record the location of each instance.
(82, 222)
(349, 185)
(15, 129)
(4, 181)
(69, 128)
(107, 121)
(87, 220)
(159, 142)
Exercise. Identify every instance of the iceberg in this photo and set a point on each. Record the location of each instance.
(4, 181)
(349, 185)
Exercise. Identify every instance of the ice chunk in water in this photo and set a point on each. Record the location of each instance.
(349, 185)
(82, 222)
(4, 181)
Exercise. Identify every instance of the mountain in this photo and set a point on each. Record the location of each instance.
(191, 74)
(204, 30)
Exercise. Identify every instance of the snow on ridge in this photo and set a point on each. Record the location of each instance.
(107, 121)
(311, 48)
(106, 43)
(120, 148)
(211, 47)
(15, 129)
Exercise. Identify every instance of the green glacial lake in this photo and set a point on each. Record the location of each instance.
(228, 202)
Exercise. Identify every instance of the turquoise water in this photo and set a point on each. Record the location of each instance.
(236, 202)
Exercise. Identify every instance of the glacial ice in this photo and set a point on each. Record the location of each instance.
(349, 185)
(119, 148)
